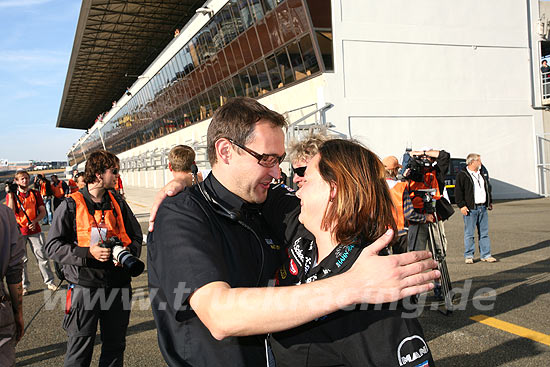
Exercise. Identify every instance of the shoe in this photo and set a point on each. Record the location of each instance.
(25, 291)
(469, 260)
(52, 287)
(489, 259)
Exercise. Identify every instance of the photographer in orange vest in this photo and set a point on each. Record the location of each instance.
(60, 191)
(96, 240)
(29, 210)
(404, 211)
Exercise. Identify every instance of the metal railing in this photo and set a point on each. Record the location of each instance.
(543, 163)
(308, 123)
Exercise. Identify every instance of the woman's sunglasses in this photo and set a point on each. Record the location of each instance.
(300, 171)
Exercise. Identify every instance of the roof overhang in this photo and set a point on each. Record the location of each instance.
(115, 42)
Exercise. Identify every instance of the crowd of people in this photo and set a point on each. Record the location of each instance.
(357, 227)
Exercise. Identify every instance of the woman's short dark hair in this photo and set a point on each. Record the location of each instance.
(98, 162)
(362, 209)
(236, 119)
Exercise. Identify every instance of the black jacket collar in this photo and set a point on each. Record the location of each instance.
(93, 206)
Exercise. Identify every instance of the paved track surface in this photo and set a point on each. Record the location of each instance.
(520, 236)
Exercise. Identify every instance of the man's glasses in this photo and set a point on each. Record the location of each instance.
(114, 171)
(264, 160)
(300, 171)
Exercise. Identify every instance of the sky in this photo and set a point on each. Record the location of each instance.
(35, 48)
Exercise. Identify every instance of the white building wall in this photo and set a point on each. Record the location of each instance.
(450, 75)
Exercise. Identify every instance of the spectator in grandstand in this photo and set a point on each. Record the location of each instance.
(230, 252)
(404, 211)
(545, 68)
(176, 32)
(301, 152)
(181, 159)
(12, 252)
(29, 209)
(346, 206)
(60, 191)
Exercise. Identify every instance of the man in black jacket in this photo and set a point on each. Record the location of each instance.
(473, 197)
(81, 224)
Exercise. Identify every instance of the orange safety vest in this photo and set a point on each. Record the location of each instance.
(29, 204)
(58, 190)
(43, 188)
(85, 221)
(397, 197)
(73, 186)
(430, 182)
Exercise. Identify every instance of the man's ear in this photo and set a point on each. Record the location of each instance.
(223, 150)
(98, 177)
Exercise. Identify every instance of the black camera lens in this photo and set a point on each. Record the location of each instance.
(132, 264)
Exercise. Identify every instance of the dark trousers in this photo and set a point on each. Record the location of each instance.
(109, 306)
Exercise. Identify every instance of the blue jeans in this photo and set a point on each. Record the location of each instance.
(477, 218)
(49, 215)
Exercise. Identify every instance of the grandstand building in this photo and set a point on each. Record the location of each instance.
(460, 76)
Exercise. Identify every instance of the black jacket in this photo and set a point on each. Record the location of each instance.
(464, 189)
(62, 247)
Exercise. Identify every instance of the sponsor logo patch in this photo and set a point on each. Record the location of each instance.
(293, 268)
(411, 349)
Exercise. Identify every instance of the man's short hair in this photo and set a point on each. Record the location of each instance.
(304, 150)
(472, 157)
(181, 158)
(20, 173)
(543, 61)
(98, 162)
(236, 119)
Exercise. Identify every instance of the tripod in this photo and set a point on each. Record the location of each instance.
(436, 245)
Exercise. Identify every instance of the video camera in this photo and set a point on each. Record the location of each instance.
(418, 166)
(10, 186)
(428, 200)
(119, 253)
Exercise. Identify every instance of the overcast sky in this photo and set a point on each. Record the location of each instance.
(35, 47)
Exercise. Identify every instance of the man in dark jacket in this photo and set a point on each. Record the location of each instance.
(82, 224)
(473, 197)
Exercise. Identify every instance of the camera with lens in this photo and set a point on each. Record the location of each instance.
(419, 165)
(10, 186)
(428, 199)
(119, 253)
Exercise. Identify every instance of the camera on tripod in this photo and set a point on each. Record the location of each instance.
(428, 199)
(10, 186)
(119, 253)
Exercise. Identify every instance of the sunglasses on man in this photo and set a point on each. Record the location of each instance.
(264, 160)
(300, 171)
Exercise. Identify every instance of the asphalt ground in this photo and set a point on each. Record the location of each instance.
(511, 297)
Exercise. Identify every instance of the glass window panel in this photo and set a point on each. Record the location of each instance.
(209, 75)
(263, 78)
(237, 55)
(194, 110)
(245, 14)
(273, 72)
(222, 65)
(285, 23)
(254, 43)
(298, 16)
(227, 26)
(247, 85)
(215, 96)
(263, 35)
(231, 63)
(296, 60)
(215, 34)
(269, 5)
(254, 83)
(238, 21)
(203, 105)
(218, 76)
(310, 60)
(239, 91)
(189, 66)
(284, 66)
(256, 9)
(180, 63)
(273, 28)
(193, 51)
(245, 47)
(324, 40)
